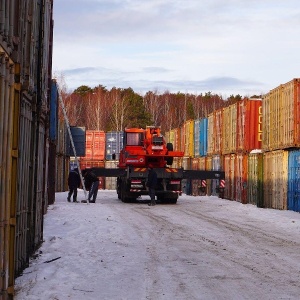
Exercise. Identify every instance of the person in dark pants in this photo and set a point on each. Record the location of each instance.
(92, 184)
(73, 183)
(151, 184)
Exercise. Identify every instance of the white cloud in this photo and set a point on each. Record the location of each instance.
(252, 41)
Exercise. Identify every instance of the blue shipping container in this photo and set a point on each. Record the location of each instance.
(113, 144)
(53, 111)
(200, 137)
(294, 181)
(79, 140)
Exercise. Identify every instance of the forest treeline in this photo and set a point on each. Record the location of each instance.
(113, 110)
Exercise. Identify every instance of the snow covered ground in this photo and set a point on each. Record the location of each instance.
(200, 248)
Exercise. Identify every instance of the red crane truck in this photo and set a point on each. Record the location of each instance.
(142, 147)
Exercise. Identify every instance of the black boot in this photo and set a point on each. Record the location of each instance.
(69, 200)
(152, 202)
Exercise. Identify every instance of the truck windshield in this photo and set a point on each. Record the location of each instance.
(134, 139)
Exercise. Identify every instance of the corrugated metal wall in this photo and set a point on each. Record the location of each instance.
(25, 74)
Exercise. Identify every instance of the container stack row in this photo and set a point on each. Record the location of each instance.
(26, 29)
(102, 150)
(255, 141)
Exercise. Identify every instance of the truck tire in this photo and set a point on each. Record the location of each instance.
(124, 197)
(170, 159)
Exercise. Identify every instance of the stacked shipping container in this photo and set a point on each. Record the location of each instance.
(256, 142)
(25, 78)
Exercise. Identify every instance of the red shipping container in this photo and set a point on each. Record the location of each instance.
(86, 163)
(93, 163)
(249, 125)
(95, 145)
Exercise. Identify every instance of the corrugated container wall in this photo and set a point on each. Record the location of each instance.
(26, 29)
(215, 132)
(111, 182)
(241, 177)
(95, 145)
(62, 159)
(290, 125)
(255, 179)
(86, 163)
(200, 137)
(230, 179)
(175, 139)
(281, 117)
(79, 141)
(196, 183)
(219, 139)
(275, 179)
(53, 136)
(294, 181)
(213, 163)
(9, 112)
(249, 125)
(210, 134)
(113, 144)
(229, 131)
(189, 138)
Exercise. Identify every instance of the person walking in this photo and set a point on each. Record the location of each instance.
(92, 183)
(151, 184)
(73, 183)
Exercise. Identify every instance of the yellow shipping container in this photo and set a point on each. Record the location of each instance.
(281, 117)
(189, 138)
(275, 178)
(229, 130)
(219, 120)
(210, 134)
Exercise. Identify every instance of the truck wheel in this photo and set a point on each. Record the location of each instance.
(123, 192)
(172, 201)
(170, 159)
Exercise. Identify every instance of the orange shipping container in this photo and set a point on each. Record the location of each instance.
(215, 132)
(95, 145)
(229, 131)
(249, 125)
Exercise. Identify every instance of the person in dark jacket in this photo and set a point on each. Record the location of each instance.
(151, 184)
(92, 184)
(73, 183)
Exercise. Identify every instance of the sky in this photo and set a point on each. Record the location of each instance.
(226, 47)
(202, 248)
